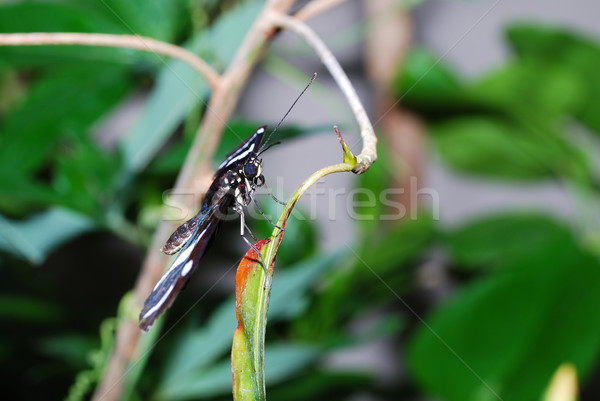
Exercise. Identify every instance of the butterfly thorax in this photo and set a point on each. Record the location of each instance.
(229, 187)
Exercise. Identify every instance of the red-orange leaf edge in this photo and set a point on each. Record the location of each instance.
(250, 261)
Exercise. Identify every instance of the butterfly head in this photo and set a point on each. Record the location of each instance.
(252, 172)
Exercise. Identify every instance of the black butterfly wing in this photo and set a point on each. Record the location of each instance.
(194, 236)
(175, 279)
(250, 147)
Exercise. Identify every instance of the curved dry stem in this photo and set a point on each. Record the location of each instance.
(127, 41)
(368, 154)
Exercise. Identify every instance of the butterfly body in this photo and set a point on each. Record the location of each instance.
(233, 186)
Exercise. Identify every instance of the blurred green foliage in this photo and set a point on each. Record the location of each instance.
(531, 299)
(525, 284)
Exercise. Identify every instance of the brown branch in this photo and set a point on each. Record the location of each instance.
(126, 41)
(316, 7)
(368, 154)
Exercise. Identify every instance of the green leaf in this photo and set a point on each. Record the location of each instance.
(425, 79)
(34, 238)
(199, 384)
(68, 100)
(384, 255)
(322, 384)
(496, 240)
(19, 195)
(161, 20)
(73, 16)
(290, 286)
(505, 335)
(71, 348)
(85, 175)
(553, 44)
(24, 308)
(303, 233)
(214, 337)
(289, 297)
(55, 145)
(284, 360)
(501, 149)
(535, 90)
(389, 249)
(554, 48)
(98, 359)
(426, 84)
(67, 16)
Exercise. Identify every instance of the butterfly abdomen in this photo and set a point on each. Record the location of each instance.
(178, 239)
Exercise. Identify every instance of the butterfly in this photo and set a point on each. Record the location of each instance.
(233, 186)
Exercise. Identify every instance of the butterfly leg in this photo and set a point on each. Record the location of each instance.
(272, 196)
(265, 216)
(238, 208)
(250, 232)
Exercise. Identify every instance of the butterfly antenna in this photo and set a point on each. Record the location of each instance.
(314, 76)
(269, 146)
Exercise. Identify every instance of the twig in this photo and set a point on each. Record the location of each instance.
(316, 7)
(368, 155)
(126, 41)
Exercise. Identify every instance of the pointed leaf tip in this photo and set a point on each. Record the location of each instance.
(349, 157)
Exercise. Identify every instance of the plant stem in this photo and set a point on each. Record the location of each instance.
(368, 154)
(316, 7)
(126, 41)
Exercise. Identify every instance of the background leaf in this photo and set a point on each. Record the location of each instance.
(65, 104)
(559, 48)
(515, 325)
(67, 16)
(486, 146)
(37, 236)
(501, 239)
